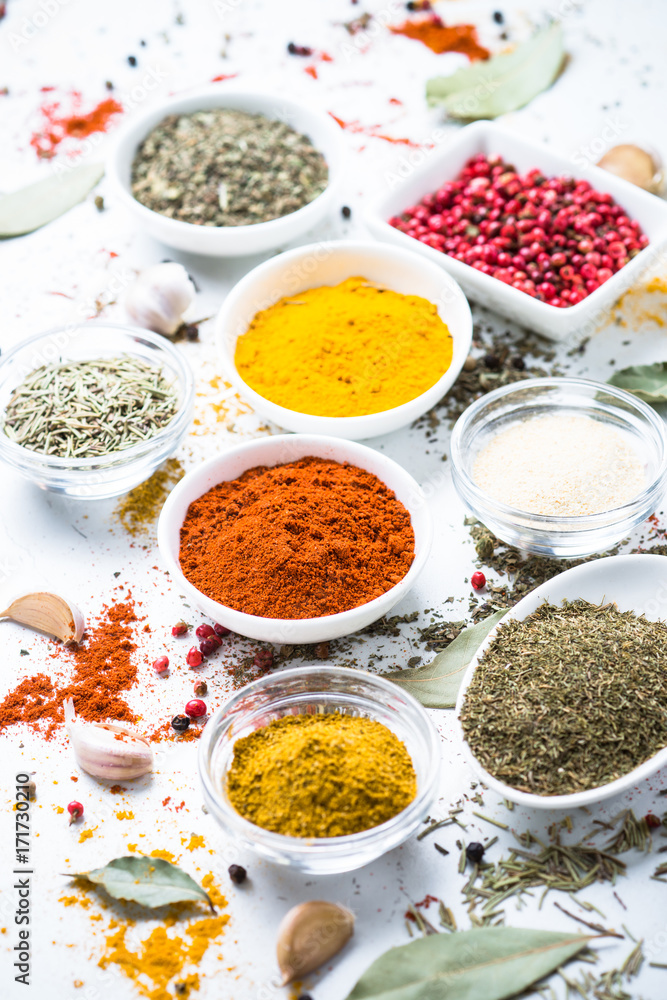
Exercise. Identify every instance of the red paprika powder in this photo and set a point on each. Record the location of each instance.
(307, 538)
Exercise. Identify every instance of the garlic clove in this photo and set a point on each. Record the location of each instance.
(47, 613)
(107, 749)
(634, 164)
(159, 297)
(309, 935)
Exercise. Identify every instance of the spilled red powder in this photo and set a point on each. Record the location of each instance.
(223, 76)
(433, 33)
(103, 669)
(57, 127)
(311, 71)
(165, 732)
(372, 130)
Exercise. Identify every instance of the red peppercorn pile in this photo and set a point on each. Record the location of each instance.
(554, 238)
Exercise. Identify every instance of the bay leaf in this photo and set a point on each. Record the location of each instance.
(487, 963)
(647, 382)
(503, 83)
(149, 881)
(436, 684)
(30, 207)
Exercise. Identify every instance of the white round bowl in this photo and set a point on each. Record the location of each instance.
(276, 451)
(328, 264)
(634, 583)
(228, 241)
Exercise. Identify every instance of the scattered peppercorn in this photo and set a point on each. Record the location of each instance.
(194, 657)
(99, 203)
(492, 361)
(180, 989)
(180, 628)
(469, 364)
(478, 580)
(299, 50)
(304, 996)
(201, 688)
(75, 810)
(208, 646)
(195, 708)
(322, 650)
(132, 60)
(191, 331)
(109, 85)
(180, 723)
(237, 874)
(498, 17)
(32, 790)
(161, 665)
(518, 363)
(652, 821)
(475, 852)
(221, 630)
(346, 211)
(263, 659)
(203, 631)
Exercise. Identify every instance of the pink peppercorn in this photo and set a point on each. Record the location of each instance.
(194, 657)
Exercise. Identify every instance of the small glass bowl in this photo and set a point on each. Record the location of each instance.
(109, 475)
(560, 537)
(309, 690)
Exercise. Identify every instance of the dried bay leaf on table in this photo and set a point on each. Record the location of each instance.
(503, 83)
(149, 881)
(487, 963)
(436, 684)
(31, 207)
(647, 382)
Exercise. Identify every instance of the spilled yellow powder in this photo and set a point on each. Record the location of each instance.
(59, 810)
(83, 901)
(86, 834)
(196, 840)
(215, 895)
(131, 847)
(125, 814)
(165, 855)
(139, 508)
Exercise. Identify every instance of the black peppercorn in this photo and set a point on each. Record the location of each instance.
(304, 996)
(180, 989)
(180, 723)
(191, 331)
(237, 874)
(498, 17)
(518, 363)
(346, 211)
(492, 361)
(475, 852)
(132, 60)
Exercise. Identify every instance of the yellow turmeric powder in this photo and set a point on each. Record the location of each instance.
(344, 350)
(320, 775)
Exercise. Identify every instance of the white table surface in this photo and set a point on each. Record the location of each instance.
(615, 81)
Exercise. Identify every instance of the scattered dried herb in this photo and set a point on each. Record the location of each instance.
(223, 167)
(138, 509)
(547, 710)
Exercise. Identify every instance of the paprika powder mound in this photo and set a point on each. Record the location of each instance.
(103, 669)
(321, 775)
(300, 540)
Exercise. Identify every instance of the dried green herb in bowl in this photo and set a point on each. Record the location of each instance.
(83, 409)
(226, 167)
(569, 699)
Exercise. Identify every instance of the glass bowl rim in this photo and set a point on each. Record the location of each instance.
(282, 843)
(138, 451)
(482, 500)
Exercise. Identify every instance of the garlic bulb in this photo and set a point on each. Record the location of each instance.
(159, 297)
(106, 749)
(309, 935)
(48, 613)
(635, 164)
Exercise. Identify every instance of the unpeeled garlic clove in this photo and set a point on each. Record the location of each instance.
(309, 935)
(159, 297)
(635, 164)
(106, 749)
(48, 613)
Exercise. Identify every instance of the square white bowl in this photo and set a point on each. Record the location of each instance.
(487, 137)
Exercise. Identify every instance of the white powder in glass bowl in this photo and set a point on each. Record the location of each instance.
(559, 465)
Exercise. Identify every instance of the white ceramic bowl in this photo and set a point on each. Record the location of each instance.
(634, 583)
(444, 163)
(397, 268)
(228, 241)
(320, 689)
(276, 451)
